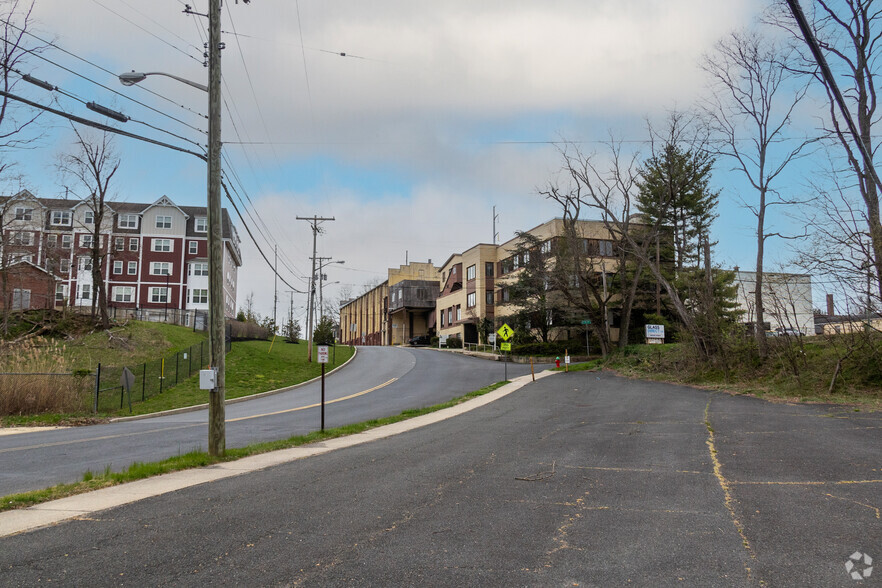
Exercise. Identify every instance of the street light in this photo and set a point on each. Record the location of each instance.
(217, 343)
(321, 277)
(133, 77)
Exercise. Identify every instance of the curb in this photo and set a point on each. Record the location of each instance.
(196, 407)
(14, 522)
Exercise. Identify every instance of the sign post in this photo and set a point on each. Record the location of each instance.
(587, 322)
(127, 380)
(505, 332)
(323, 359)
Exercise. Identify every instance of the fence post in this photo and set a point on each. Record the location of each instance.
(202, 355)
(190, 357)
(97, 387)
(177, 366)
(161, 373)
(144, 381)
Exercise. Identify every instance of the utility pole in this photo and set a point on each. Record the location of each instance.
(495, 218)
(275, 287)
(217, 347)
(314, 223)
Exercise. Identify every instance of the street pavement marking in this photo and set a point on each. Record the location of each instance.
(151, 431)
(351, 396)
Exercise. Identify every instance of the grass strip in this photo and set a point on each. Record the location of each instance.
(138, 471)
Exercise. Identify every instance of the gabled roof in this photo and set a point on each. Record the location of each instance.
(165, 201)
(33, 265)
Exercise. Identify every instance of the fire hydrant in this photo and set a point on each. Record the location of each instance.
(557, 362)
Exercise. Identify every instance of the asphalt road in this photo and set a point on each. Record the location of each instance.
(580, 479)
(384, 380)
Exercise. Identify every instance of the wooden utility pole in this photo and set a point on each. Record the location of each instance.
(216, 336)
(314, 223)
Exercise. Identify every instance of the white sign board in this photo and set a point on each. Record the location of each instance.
(491, 337)
(323, 354)
(655, 331)
(566, 359)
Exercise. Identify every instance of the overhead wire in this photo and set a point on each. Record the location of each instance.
(107, 71)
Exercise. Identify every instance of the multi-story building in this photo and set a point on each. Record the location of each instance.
(787, 301)
(154, 256)
(400, 308)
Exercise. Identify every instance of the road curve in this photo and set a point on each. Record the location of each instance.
(378, 382)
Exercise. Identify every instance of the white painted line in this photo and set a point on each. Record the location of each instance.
(64, 509)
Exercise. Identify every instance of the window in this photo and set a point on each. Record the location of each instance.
(86, 241)
(160, 268)
(23, 238)
(85, 264)
(117, 267)
(514, 262)
(132, 268)
(123, 293)
(24, 214)
(199, 296)
(201, 225)
(453, 271)
(60, 218)
(606, 248)
(119, 243)
(470, 272)
(163, 222)
(159, 294)
(52, 241)
(64, 266)
(503, 295)
(450, 316)
(128, 221)
(60, 293)
(66, 241)
(458, 312)
(488, 269)
(194, 247)
(545, 248)
(526, 258)
(21, 299)
(133, 244)
(22, 257)
(162, 245)
(488, 299)
(471, 299)
(442, 318)
(85, 291)
(89, 217)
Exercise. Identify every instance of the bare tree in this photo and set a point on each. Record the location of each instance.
(849, 34)
(15, 20)
(754, 97)
(91, 165)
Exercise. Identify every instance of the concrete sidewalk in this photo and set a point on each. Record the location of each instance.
(81, 505)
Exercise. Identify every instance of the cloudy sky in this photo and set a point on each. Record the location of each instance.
(437, 112)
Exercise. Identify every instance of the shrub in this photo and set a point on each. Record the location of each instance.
(454, 343)
(434, 341)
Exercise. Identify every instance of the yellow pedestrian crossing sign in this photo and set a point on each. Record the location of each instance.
(505, 332)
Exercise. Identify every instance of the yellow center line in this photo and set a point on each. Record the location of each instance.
(351, 396)
(189, 425)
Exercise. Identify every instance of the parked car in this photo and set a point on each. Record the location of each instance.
(783, 332)
(419, 341)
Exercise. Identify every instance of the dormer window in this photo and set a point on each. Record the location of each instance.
(60, 218)
(24, 214)
(89, 217)
(201, 224)
(163, 221)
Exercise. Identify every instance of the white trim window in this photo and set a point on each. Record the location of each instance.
(162, 245)
(194, 247)
(89, 217)
(471, 272)
(85, 291)
(23, 238)
(117, 268)
(132, 269)
(458, 312)
(200, 225)
(123, 293)
(198, 295)
(471, 299)
(60, 293)
(133, 243)
(127, 221)
(159, 294)
(119, 243)
(163, 221)
(66, 241)
(160, 268)
(60, 218)
(52, 240)
(86, 241)
(85, 263)
(64, 265)
(199, 269)
(24, 214)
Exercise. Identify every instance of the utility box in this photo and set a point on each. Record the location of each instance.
(208, 379)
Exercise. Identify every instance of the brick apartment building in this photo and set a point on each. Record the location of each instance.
(155, 256)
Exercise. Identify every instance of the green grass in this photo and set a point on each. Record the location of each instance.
(251, 368)
(136, 342)
(137, 471)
